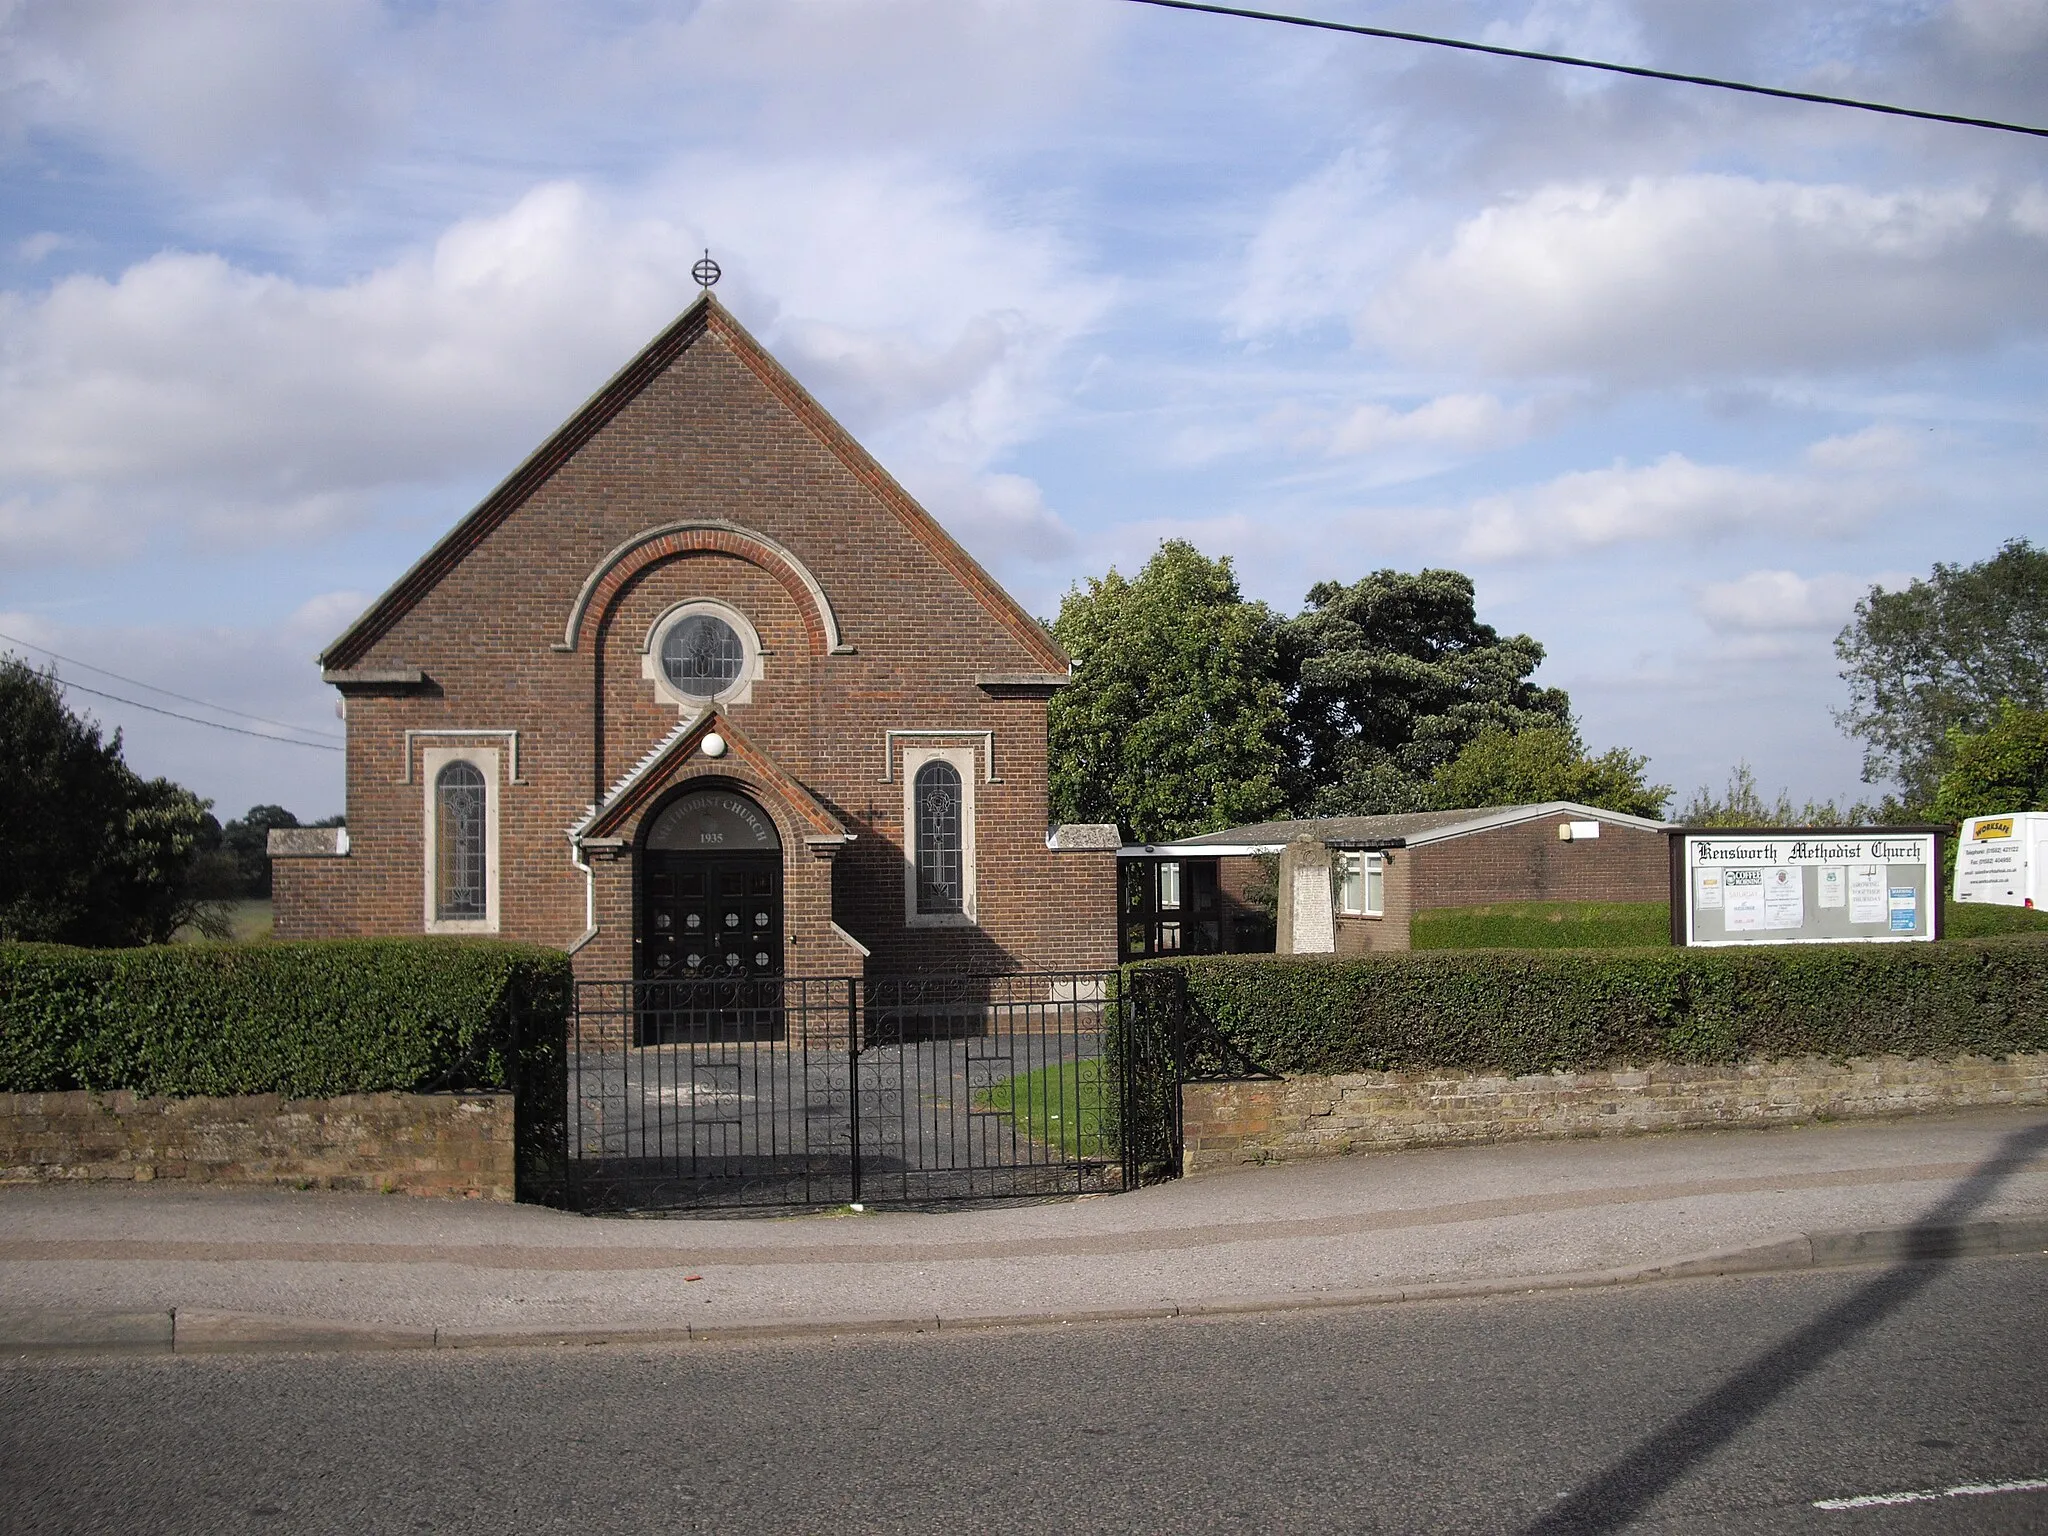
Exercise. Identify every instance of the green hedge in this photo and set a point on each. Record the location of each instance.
(1545, 1010)
(308, 1020)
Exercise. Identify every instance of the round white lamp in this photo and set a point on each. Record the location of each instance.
(712, 745)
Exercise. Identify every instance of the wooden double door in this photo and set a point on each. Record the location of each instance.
(710, 914)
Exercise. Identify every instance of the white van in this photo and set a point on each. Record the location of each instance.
(2003, 860)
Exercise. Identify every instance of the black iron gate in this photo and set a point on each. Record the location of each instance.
(824, 1091)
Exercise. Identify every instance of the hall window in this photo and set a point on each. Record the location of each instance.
(1360, 879)
(938, 815)
(940, 886)
(1169, 885)
(461, 840)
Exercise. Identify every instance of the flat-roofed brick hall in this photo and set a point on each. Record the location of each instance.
(700, 690)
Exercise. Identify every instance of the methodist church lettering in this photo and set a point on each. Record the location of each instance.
(1803, 851)
(714, 822)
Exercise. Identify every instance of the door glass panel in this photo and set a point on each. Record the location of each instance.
(724, 917)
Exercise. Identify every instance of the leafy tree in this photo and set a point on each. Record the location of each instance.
(1390, 678)
(1742, 804)
(1173, 722)
(90, 852)
(1943, 655)
(1546, 763)
(247, 841)
(2003, 767)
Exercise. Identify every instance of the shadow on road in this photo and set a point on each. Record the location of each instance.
(1626, 1487)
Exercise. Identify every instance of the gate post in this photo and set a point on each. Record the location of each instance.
(853, 1079)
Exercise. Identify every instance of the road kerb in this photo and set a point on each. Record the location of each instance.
(244, 1333)
(44, 1331)
(41, 1330)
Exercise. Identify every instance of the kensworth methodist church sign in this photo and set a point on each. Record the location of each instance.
(1825, 886)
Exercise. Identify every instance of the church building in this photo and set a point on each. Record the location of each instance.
(699, 690)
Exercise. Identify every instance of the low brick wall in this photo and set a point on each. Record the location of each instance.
(1226, 1125)
(451, 1145)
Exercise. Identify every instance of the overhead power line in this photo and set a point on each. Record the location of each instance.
(290, 741)
(240, 714)
(1613, 69)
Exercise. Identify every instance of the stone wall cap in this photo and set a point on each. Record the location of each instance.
(307, 843)
(1085, 837)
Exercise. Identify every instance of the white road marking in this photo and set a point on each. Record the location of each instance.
(1927, 1495)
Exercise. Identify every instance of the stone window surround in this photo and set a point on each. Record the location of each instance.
(739, 691)
(485, 760)
(962, 761)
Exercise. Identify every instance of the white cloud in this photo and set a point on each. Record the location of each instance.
(40, 245)
(1839, 483)
(1665, 277)
(1323, 241)
(910, 306)
(197, 396)
(195, 86)
(2001, 28)
(1467, 421)
(303, 97)
(1774, 601)
(1002, 519)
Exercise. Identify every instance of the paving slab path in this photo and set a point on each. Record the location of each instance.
(237, 1268)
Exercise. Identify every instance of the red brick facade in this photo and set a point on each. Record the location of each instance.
(704, 472)
(1529, 862)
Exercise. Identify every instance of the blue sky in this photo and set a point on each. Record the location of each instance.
(1675, 374)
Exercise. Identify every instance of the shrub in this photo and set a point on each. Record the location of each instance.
(305, 1020)
(1551, 1010)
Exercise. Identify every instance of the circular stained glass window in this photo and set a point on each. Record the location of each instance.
(701, 655)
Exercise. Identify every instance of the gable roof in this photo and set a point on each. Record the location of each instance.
(1409, 829)
(705, 315)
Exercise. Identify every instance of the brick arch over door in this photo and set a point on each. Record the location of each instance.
(717, 536)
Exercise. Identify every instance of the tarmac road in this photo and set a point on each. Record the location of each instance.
(1725, 1405)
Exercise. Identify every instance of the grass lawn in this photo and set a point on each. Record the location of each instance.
(1060, 1106)
(1546, 925)
(251, 920)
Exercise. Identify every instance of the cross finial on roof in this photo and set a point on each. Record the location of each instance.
(706, 272)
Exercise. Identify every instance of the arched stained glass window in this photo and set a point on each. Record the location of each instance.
(459, 850)
(941, 879)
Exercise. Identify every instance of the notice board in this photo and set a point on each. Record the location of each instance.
(1847, 885)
